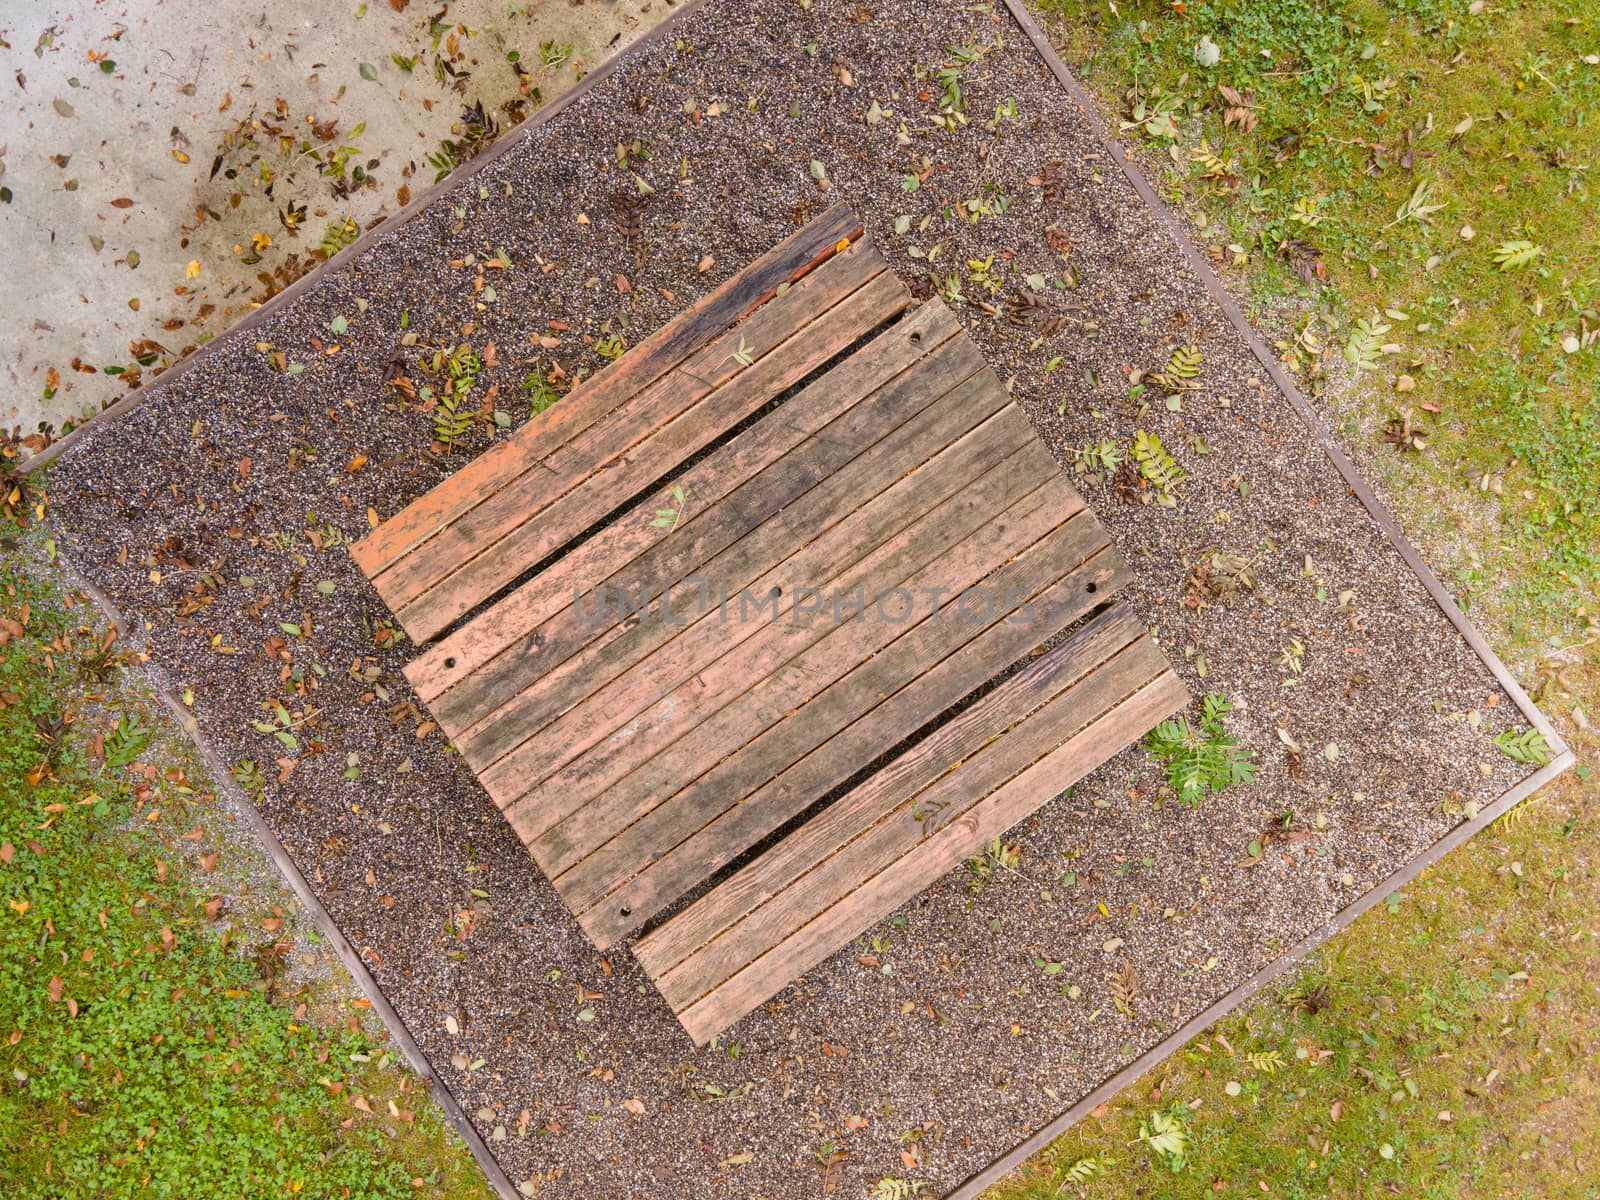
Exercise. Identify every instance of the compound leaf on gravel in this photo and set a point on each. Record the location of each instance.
(1526, 747)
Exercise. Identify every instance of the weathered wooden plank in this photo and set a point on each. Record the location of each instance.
(864, 881)
(1055, 674)
(853, 722)
(791, 765)
(815, 537)
(705, 321)
(712, 654)
(528, 518)
(800, 479)
(820, 428)
(709, 719)
(875, 897)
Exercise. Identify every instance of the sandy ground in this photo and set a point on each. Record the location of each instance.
(216, 516)
(170, 163)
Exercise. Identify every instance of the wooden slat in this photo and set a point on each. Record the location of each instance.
(861, 882)
(603, 443)
(835, 455)
(791, 765)
(529, 518)
(816, 537)
(708, 719)
(823, 421)
(746, 539)
(663, 350)
(911, 532)
(959, 740)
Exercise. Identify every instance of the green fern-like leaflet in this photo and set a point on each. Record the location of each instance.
(1526, 747)
(1158, 467)
(126, 742)
(1268, 1062)
(1365, 347)
(891, 1187)
(1082, 1171)
(1181, 369)
(1511, 256)
(1166, 1134)
(452, 418)
(1204, 759)
(541, 392)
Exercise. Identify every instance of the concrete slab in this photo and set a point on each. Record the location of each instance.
(169, 164)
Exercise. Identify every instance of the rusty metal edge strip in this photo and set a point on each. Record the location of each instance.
(1562, 757)
(346, 951)
(997, 1170)
(373, 234)
(1177, 231)
(1002, 1166)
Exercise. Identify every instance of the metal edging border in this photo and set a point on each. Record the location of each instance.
(1562, 757)
(373, 233)
(975, 1184)
(346, 951)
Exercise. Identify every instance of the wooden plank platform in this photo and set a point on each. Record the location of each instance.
(725, 622)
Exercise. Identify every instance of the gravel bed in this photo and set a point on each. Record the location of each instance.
(216, 515)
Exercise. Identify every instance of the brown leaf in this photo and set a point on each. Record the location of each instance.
(634, 1105)
(122, 202)
(1238, 108)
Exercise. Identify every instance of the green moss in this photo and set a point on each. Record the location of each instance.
(148, 1047)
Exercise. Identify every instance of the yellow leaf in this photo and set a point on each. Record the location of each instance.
(20, 907)
(193, 269)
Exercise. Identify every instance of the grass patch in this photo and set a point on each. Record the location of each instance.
(1403, 192)
(1406, 191)
(1441, 1047)
(159, 1034)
